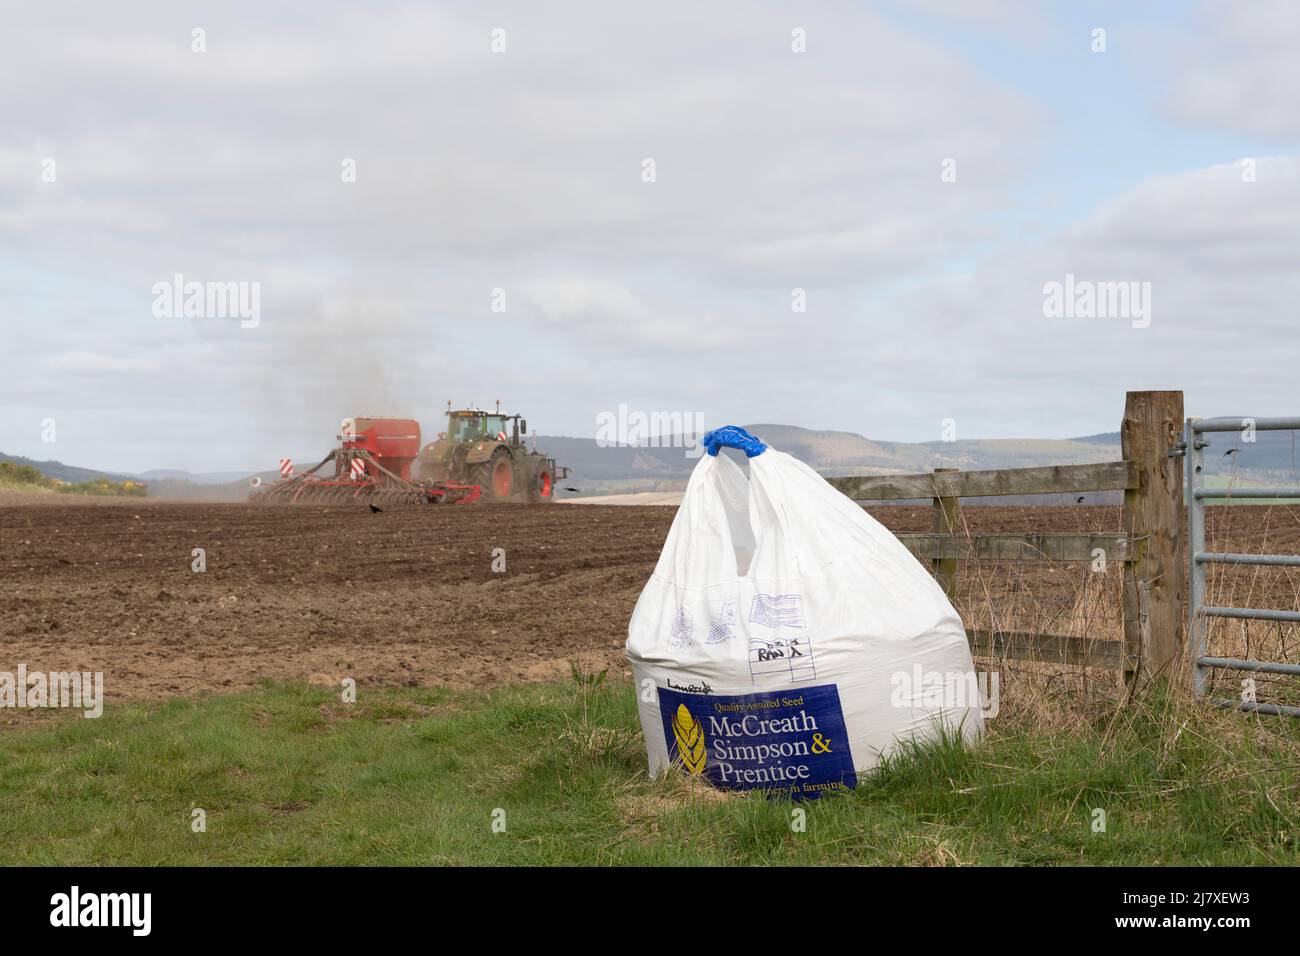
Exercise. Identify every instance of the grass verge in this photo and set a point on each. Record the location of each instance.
(26, 478)
(287, 774)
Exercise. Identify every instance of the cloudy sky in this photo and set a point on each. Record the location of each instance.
(919, 169)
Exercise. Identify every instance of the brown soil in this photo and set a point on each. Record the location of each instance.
(408, 597)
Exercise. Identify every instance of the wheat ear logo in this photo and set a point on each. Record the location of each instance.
(690, 740)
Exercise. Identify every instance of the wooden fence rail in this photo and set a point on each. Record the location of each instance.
(1050, 479)
(1037, 546)
(1049, 648)
(1150, 544)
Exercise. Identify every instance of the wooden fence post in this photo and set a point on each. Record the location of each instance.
(1155, 574)
(947, 520)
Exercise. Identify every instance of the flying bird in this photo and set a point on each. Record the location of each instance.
(1231, 451)
(574, 490)
(375, 509)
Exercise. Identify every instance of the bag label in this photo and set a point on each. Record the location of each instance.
(776, 610)
(772, 660)
(792, 742)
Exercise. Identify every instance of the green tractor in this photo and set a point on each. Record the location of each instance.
(487, 449)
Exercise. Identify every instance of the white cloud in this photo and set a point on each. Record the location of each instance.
(1242, 71)
(1220, 257)
(94, 362)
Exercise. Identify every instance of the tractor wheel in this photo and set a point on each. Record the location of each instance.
(541, 489)
(496, 477)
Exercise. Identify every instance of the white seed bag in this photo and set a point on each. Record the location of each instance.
(786, 638)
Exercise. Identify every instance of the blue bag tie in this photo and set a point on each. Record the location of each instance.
(733, 436)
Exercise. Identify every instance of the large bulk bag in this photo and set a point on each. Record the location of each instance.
(786, 639)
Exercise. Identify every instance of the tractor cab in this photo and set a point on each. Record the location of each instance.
(473, 426)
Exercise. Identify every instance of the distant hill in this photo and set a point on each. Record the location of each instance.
(57, 469)
(1103, 438)
(181, 490)
(623, 469)
(162, 483)
(28, 479)
(1271, 453)
(201, 478)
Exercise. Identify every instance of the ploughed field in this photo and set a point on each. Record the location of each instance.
(409, 597)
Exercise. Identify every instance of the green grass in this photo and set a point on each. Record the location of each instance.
(289, 774)
(26, 478)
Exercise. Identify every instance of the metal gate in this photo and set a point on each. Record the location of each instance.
(1197, 610)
